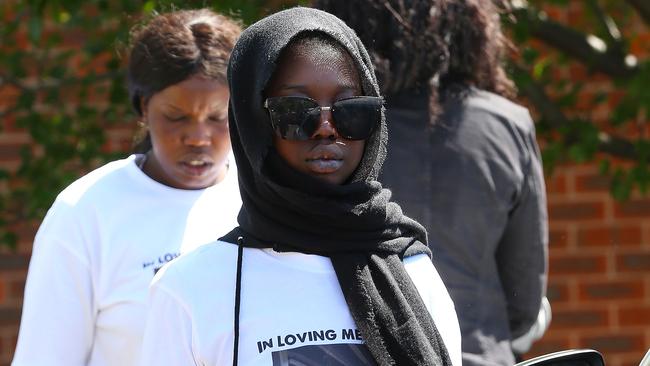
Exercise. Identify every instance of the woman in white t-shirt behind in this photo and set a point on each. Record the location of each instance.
(108, 232)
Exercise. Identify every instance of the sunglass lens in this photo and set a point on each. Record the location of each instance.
(357, 118)
(294, 118)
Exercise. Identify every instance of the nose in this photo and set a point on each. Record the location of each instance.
(326, 129)
(197, 134)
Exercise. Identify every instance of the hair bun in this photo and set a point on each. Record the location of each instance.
(201, 30)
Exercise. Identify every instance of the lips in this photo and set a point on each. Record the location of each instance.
(196, 165)
(325, 159)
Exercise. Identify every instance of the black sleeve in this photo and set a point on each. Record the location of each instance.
(522, 254)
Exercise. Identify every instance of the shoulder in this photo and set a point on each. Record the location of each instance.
(207, 259)
(96, 181)
(486, 110)
(81, 198)
(483, 126)
(216, 261)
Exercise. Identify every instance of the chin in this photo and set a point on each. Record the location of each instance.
(197, 183)
(331, 179)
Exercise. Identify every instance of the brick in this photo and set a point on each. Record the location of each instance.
(557, 292)
(555, 13)
(614, 342)
(612, 290)
(558, 238)
(16, 289)
(9, 124)
(8, 338)
(634, 315)
(547, 345)
(583, 318)
(592, 183)
(615, 97)
(577, 264)
(576, 211)
(609, 235)
(584, 97)
(557, 183)
(637, 208)
(631, 359)
(8, 95)
(639, 44)
(633, 262)
(575, 15)
(13, 261)
(9, 316)
(9, 152)
(15, 138)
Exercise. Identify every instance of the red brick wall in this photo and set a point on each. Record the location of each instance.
(13, 263)
(599, 284)
(599, 264)
(599, 255)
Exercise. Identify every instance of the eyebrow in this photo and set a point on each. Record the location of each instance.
(173, 107)
(300, 87)
(214, 107)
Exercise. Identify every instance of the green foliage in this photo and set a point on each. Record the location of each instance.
(65, 59)
(567, 108)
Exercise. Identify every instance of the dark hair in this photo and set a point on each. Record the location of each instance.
(174, 46)
(430, 43)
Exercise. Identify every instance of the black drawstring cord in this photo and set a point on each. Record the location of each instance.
(240, 257)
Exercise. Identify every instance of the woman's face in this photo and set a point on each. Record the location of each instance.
(188, 125)
(324, 75)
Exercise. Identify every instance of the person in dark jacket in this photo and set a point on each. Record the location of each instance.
(463, 160)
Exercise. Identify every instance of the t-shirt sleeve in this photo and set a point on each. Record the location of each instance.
(58, 316)
(522, 252)
(438, 302)
(168, 337)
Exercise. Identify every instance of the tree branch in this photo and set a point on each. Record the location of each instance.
(643, 7)
(575, 44)
(551, 113)
(608, 27)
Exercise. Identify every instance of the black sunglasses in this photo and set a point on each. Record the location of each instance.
(297, 118)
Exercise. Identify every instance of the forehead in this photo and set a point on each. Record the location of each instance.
(313, 57)
(192, 93)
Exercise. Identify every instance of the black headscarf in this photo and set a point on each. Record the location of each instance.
(355, 224)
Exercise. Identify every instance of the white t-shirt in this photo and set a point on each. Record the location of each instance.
(95, 254)
(292, 308)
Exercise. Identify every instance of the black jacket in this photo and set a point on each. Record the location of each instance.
(475, 182)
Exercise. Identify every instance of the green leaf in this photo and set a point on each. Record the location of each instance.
(26, 100)
(9, 239)
(604, 167)
(148, 7)
(63, 17)
(621, 186)
(529, 55)
(35, 28)
(539, 68)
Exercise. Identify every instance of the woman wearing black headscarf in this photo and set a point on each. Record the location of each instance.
(323, 268)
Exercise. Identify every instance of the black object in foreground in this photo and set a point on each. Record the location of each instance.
(573, 357)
